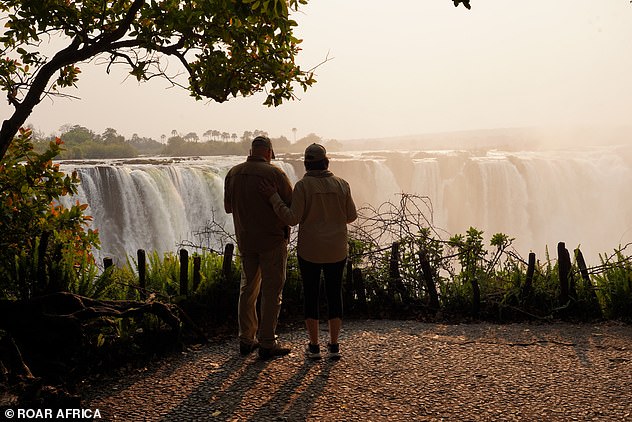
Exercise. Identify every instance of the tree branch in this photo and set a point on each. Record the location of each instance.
(69, 55)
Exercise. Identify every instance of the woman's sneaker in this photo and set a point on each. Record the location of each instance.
(312, 351)
(334, 351)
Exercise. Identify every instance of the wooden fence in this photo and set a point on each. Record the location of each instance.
(184, 269)
(355, 287)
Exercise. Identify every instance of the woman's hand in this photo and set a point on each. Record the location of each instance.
(267, 188)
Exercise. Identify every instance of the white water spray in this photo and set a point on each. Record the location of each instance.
(580, 197)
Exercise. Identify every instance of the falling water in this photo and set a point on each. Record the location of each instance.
(581, 197)
(154, 206)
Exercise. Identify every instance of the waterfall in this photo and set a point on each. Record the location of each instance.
(540, 198)
(153, 206)
(372, 181)
(580, 197)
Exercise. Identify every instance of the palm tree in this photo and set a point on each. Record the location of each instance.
(191, 136)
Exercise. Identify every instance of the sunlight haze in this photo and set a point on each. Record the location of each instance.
(400, 68)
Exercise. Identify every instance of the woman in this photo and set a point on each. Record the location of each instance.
(322, 207)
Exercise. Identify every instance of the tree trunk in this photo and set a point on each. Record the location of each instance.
(69, 55)
(24, 108)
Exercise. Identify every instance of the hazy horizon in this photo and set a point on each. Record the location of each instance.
(403, 69)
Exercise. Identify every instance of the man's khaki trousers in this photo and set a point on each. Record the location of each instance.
(263, 272)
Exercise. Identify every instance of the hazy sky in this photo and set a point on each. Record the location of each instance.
(399, 68)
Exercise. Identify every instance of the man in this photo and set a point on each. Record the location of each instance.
(262, 240)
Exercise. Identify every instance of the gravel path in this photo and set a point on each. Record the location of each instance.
(393, 371)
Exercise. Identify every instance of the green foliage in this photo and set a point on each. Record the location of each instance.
(471, 254)
(474, 280)
(210, 273)
(83, 143)
(241, 46)
(163, 274)
(145, 146)
(41, 242)
(293, 289)
(99, 150)
(614, 286)
(225, 48)
(178, 147)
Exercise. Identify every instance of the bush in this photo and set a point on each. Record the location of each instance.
(44, 246)
(614, 286)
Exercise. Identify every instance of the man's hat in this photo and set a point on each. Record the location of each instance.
(315, 152)
(263, 141)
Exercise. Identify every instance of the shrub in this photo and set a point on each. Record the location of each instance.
(614, 286)
(44, 246)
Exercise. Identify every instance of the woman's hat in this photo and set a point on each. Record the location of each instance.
(315, 152)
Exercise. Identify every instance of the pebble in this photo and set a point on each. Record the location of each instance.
(393, 371)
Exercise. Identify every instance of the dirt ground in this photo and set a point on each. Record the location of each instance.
(392, 371)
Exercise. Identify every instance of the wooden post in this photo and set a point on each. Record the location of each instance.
(394, 262)
(476, 296)
(426, 272)
(564, 269)
(184, 272)
(227, 264)
(528, 283)
(197, 263)
(395, 278)
(358, 283)
(581, 263)
(583, 269)
(348, 287)
(142, 273)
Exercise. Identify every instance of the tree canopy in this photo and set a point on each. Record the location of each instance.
(225, 48)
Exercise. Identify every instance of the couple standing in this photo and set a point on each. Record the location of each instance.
(260, 197)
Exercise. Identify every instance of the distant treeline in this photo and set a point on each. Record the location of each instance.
(83, 143)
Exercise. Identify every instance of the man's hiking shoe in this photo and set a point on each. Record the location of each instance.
(245, 348)
(312, 351)
(266, 353)
(334, 351)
